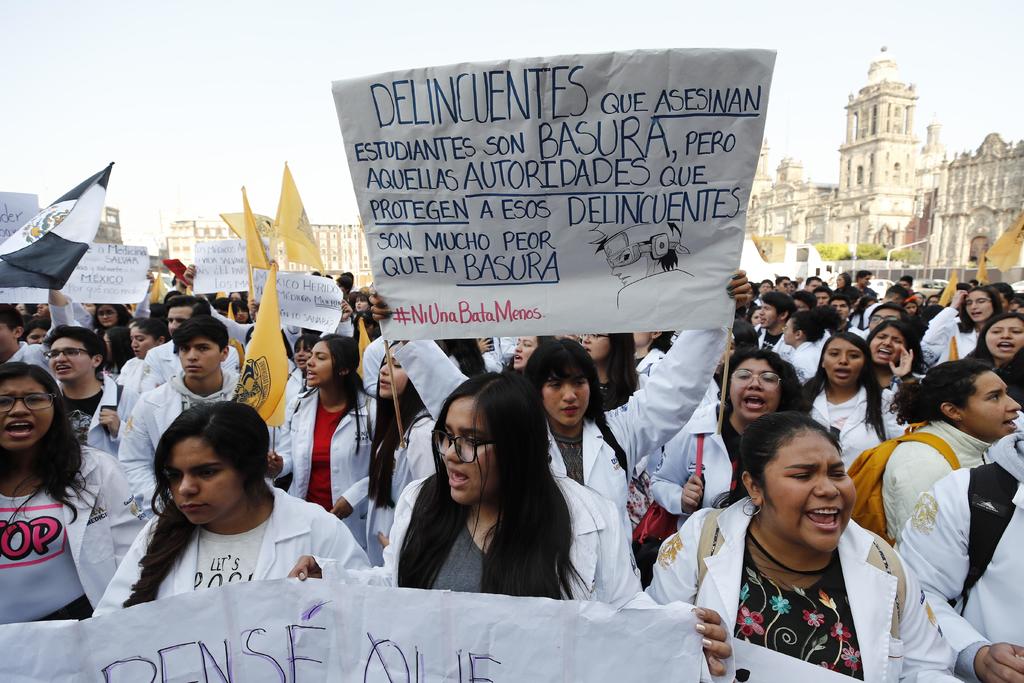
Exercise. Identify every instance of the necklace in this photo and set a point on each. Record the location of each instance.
(813, 572)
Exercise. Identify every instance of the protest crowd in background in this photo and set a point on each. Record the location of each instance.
(823, 471)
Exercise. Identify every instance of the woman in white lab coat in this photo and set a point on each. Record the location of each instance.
(788, 570)
(392, 465)
(759, 383)
(55, 496)
(325, 443)
(805, 334)
(846, 399)
(953, 333)
(218, 521)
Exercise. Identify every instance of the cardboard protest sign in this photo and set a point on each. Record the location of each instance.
(756, 664)
(16, 209)
(221, 266)
(330, 631)
(308, 301)
(110, 274)
(581, 193)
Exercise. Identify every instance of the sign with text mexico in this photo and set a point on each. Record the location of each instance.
(593, 193)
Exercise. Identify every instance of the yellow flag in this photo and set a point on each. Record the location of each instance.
(264, 226)
(231, 311)
(1005, 253)
(158, 291)
(254, 250)
(982, 269)
(292, 225)
(949, 291)
(364, 341)
(265, 373)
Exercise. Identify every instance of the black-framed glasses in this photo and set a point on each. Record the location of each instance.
(466, 449)
(33, 402)
(70, 352)
(592, 337)
(766, 378)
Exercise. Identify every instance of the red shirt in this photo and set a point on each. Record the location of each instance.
(319, 490)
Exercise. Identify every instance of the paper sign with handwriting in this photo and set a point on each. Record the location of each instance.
(16, 208)
(316, 631)
(221, 266)
(311, 302)
(110, 274)
(581, 193)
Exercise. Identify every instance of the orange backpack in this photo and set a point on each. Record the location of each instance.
(867, 472)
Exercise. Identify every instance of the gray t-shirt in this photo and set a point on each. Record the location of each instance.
(463, 569)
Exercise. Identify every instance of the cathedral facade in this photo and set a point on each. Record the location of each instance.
(891, 190)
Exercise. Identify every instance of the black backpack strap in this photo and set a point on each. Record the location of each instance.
(990, 495)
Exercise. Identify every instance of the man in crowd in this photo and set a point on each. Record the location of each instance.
(776, 310)
(863, 280)
(162, 362)
(201, 346)
(12, 349)
(842, 305)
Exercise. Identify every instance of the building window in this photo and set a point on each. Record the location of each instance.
(860, 175)
(856, 125)
(874, 119)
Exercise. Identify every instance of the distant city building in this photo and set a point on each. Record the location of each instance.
(110, 226)
(342, 247)
(891, 192)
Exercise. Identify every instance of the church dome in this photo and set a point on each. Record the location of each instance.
(883, 68)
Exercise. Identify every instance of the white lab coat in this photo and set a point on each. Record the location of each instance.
(943, 328)
(350, 455)
(803, 358)
(107, 523)
(780, 346)
(31, 354)
(412, 463)
(295, 528)
(600, 550)
(920, 654)
(163, 364)
(97, 436)
(935, 544)
(857, 435)
(648, 363)
(652, 416)
(680, 462)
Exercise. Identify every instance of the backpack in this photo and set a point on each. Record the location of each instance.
(867, 472)
(882, 557)
(990, 495)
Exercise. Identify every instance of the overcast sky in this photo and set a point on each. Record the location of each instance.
(194, 98)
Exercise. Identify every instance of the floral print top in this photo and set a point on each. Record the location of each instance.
(813, 623)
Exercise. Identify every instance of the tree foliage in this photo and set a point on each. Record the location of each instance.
(833, 251)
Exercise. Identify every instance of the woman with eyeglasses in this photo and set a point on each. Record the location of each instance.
(845, 397)
(67, 515)
(953, 333)
(493, 518)
(702, 468)
(596, 448)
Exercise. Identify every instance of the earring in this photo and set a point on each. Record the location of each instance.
(750, 508)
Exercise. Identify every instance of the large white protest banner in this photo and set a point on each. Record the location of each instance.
(756, 664)
(221, 266)
(287, 631)
(581, 193)
(308, 301)
(110, 274)
(16, 208)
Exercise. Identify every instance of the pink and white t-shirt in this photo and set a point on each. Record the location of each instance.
(37, 572)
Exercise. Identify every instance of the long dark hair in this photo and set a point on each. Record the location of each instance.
(238, 435)
(386, 438)
(966, 325)
(120, 340)
(466, 354)
(58, 461)
(622, 378)
(949, 382)
(814, 323)
(123, 317)
(911, 341)
(528, 555)
(345, 356)
(561, 359)
(866, 379)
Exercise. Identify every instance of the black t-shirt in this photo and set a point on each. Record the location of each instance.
(80, 412)
(770, 340)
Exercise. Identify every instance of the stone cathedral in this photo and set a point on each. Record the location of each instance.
(892, 190)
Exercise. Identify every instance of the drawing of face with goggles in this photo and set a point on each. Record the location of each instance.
(641, 251)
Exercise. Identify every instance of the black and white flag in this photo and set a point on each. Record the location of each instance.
(44, 252)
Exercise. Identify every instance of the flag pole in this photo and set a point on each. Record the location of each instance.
(725, 380)
(394, 394)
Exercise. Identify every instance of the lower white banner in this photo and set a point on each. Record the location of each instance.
(290, 632)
